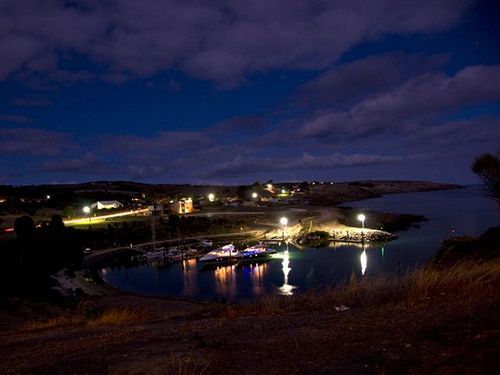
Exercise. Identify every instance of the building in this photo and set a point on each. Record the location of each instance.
(182, 206)
(106, 205)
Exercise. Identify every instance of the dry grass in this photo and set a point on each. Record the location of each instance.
(57, 322)
(114, 316)
(119, 317)
(471, 281)
(184, 365)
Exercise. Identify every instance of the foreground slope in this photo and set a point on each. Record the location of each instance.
(444, 320)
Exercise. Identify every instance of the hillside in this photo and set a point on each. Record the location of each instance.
(433, 320)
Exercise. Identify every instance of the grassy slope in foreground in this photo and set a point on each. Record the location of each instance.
(436, 320)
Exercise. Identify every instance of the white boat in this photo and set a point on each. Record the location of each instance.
(207, 243)
(191, 253)
(257, 251)
(223, 254)
(154, 255)
(174, 255)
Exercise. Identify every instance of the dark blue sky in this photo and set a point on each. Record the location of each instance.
(234, 92)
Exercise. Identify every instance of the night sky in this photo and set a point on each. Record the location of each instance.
(232, 92)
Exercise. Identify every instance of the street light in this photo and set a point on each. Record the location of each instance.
(254, 195)
(86, 211)
(211, 197)
(284, 223)
(362, 218)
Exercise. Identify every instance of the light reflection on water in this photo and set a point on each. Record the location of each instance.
(363, 259)
(257, 273)
(189, 276)
(286, 289)
(225, 280)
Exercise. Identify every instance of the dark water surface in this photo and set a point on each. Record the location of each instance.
(450, 212)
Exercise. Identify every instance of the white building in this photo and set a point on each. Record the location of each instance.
(106, 205)
(183, 206)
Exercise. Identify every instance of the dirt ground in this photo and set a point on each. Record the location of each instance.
(443, 335)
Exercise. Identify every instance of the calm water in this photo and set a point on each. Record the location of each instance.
(452, 212)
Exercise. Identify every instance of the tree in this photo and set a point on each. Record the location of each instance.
(57, 224)
(487, 166)
(69, 211)
(241, 191)
(24, 227)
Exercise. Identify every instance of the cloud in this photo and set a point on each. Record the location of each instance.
(240, 166)
(30, 102)
(89, 164)
(15, 141)
(357, 79)
(399, 109)
(221, 41)
(162, 143)
(475, 131)
(145, 171)
(20, 119)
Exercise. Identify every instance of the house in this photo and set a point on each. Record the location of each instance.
(106, 205)
(182, 206)
(266, 195)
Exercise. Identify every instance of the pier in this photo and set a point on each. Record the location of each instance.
(143, 248)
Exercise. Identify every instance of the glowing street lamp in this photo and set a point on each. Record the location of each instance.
(284, 223)
(254, 195)
(362, 218)
(86, 211)
(211, 197)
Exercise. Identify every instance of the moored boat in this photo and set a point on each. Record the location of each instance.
(224, 254)
(174, 255)
(257, 251)
(154, 255)
(191, 253)
(207, 243)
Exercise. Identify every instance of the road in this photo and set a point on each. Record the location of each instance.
(97, 219)
(89, 219)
